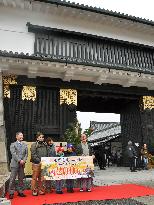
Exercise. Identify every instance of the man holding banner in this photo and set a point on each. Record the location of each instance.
(84, 150)
(70, 167)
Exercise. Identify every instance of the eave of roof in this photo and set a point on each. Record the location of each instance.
(99, 11)
(50, 58)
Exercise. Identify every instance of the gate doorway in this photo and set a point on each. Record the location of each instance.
(46, 114)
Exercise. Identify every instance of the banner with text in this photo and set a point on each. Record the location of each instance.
(56, 168)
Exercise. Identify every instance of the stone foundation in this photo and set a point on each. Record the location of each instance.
(4, 168)
(3, 141)
(4, 180)
(3, 153)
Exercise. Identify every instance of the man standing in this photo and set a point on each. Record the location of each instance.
(38, 149)
(131, 153)
(100, 156)
(19, 152)
(84, 150)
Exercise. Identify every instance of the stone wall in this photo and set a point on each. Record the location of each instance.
(3, 149)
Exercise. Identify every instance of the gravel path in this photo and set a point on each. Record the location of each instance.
(105, 202)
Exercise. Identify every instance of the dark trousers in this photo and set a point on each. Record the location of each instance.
(14, 172)
(139, 163)
(70, 183)
(101, 163)
(132, 163)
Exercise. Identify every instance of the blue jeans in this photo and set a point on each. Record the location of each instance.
(145, 160)
(58, 185)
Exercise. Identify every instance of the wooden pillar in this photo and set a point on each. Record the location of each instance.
(67, 116)
(131, 124)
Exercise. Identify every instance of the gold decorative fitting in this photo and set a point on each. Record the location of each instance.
(9, 80)
(148, 102)
(6, 91)
(68, 96)
(29, 93)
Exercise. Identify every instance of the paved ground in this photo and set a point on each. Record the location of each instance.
(121, 175)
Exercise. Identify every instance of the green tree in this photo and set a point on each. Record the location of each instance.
(73, 133)
(88, 131)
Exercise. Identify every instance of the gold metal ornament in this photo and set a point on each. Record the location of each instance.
(148, 102)
(9, 80)
(68, 96)
(29, 93)
(6, 91)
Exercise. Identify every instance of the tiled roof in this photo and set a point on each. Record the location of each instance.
(104, 131)
(101, 126)
(99, 10)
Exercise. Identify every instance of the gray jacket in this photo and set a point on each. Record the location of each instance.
(51, 151)
(18, 153)
(79, 150)
(38, 150)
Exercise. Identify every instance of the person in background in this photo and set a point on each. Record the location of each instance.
(139, 158)
(83, 149)
(19, 152)
(51, 147)
(101, 157)
(108, 155)
(51, 153)
(119, 158)
(38, 149)
(70, 182)
(60, 153)
(145, 154)
(131, 153)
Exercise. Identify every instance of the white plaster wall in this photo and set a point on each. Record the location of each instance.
(14, 35)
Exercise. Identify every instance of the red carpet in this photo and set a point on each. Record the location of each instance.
(98, 193)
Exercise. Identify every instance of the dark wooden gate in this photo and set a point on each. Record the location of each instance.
(44, 114)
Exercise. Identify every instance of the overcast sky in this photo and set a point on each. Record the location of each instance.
(85, 117)
(138, 8)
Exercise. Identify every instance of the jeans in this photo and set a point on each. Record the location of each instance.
(145, 161)
(58, 185)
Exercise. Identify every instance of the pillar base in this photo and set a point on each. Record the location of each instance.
(4, 168)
